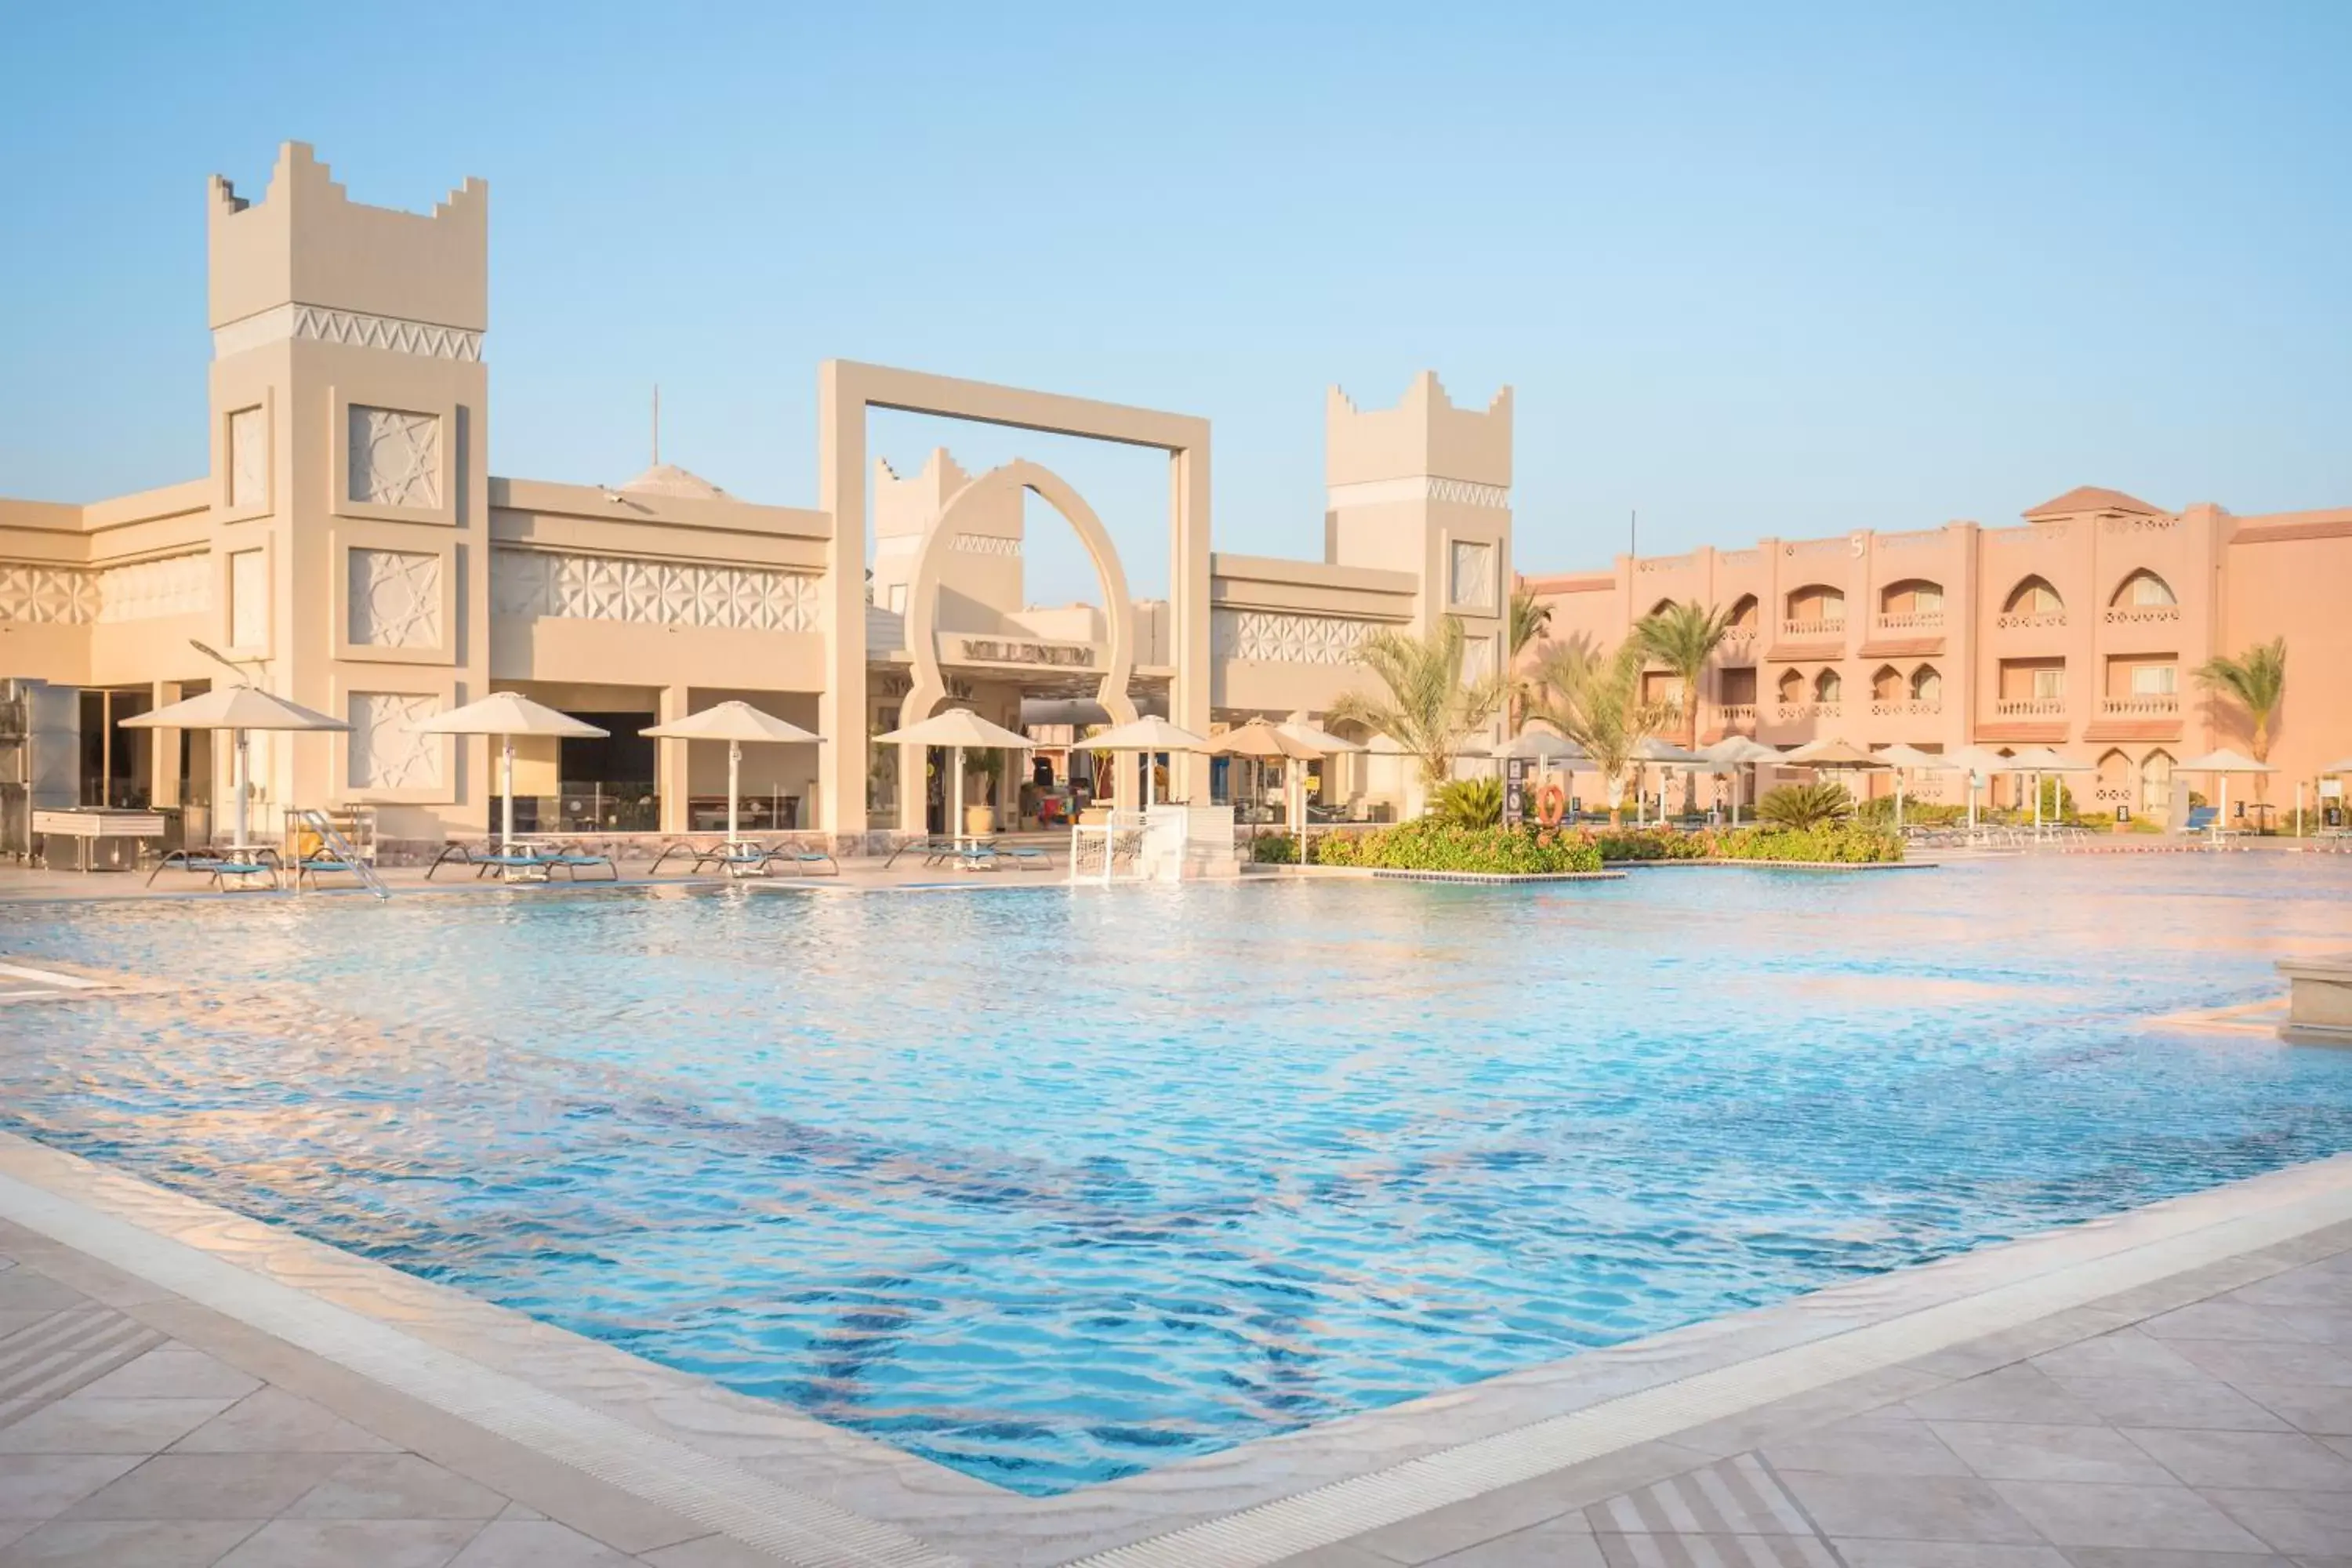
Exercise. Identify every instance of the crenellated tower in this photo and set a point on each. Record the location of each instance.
(349, 437)
(1425, 487)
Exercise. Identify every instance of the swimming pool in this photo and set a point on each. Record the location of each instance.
(1052, 1187)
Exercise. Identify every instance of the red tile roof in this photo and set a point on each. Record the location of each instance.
(2092, 498)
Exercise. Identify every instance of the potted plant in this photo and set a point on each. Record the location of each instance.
(983, 769)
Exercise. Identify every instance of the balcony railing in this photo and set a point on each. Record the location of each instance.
(1737, 714)
(2030, 708)
(1905, 707)
(1912, 621)
(2021, 619)
(2141, 615)
(1788, 710)
(1794, 628)
(2151, 705)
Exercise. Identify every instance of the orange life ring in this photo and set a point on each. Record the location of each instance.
(1551, 804)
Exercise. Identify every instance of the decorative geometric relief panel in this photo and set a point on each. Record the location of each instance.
(396, 598)
(249, 598)
(47, 595)
(650, 592)
(986, 544)
(386, 751)
(395, 457)
(1271, 638)
(249, 459)
(1474, 574)
(175, 586)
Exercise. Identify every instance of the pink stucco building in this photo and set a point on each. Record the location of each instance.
(2080, 630)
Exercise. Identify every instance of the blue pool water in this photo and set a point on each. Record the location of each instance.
(1053, 1186)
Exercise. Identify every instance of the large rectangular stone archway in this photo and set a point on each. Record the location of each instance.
(846, 391)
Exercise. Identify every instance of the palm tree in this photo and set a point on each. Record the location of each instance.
(1427, 706)
(1683, 636)
(2256, 681)
(1597, 703)
(1530, 618)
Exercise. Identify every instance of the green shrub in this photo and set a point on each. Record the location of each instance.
(1879, 811)
(1275, 849)
(1651, 844)
(1804, 806)
(1842, 843)
(1432, 845)
(1834, 843)
(1469, 802)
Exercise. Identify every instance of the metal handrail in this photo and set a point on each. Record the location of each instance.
(332, 838)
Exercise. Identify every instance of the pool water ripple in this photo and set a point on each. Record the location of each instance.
(1058, 1187)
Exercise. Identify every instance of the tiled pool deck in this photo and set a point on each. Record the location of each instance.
(2170, 1388)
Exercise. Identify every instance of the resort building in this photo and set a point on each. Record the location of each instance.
(2080, 630)
(353, 547)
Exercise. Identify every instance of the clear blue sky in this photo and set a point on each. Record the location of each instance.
(1752, 273)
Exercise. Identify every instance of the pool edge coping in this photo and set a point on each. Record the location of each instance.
(1261, 1502)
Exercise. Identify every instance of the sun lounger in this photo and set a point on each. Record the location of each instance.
(929, 845)
(1029, 857)
(324, 865)
(238, 875)
(805, 859)
(204, 862)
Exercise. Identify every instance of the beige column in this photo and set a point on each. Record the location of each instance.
(164, 753)
(671, 780)
(1188, 611)
(913, 788)
(841, 707)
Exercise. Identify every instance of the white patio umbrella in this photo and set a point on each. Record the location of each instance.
(2221, 763)
(507, 714)
(956, 728)
(733, 722)
(1261, 740)
(1979, 764)
(1149, 735)
(2039, 760)
(1665, 755)
(1739, 752)
(236, 708)
(1904, 758)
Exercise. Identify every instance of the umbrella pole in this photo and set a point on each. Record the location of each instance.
(1898, 800)
(955, 824)
(734, 774)
(242, 773)
(506, 797)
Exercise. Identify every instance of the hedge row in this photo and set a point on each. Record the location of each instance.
(1429, 845)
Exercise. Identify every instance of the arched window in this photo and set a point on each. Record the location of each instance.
(1792, 687)
(1887, 684)
(1927, 684)
(1912, 597)
(2034, 596)
(2114, 787)
(2156, 781)
(1817, 605)
(2142, 589)
(1743, 613)
(1828, 686)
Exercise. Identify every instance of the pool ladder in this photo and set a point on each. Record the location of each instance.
(328, 834)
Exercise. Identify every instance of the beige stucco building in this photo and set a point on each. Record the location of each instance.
(353, 547)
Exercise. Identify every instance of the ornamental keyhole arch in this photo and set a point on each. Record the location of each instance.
(929, 685)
